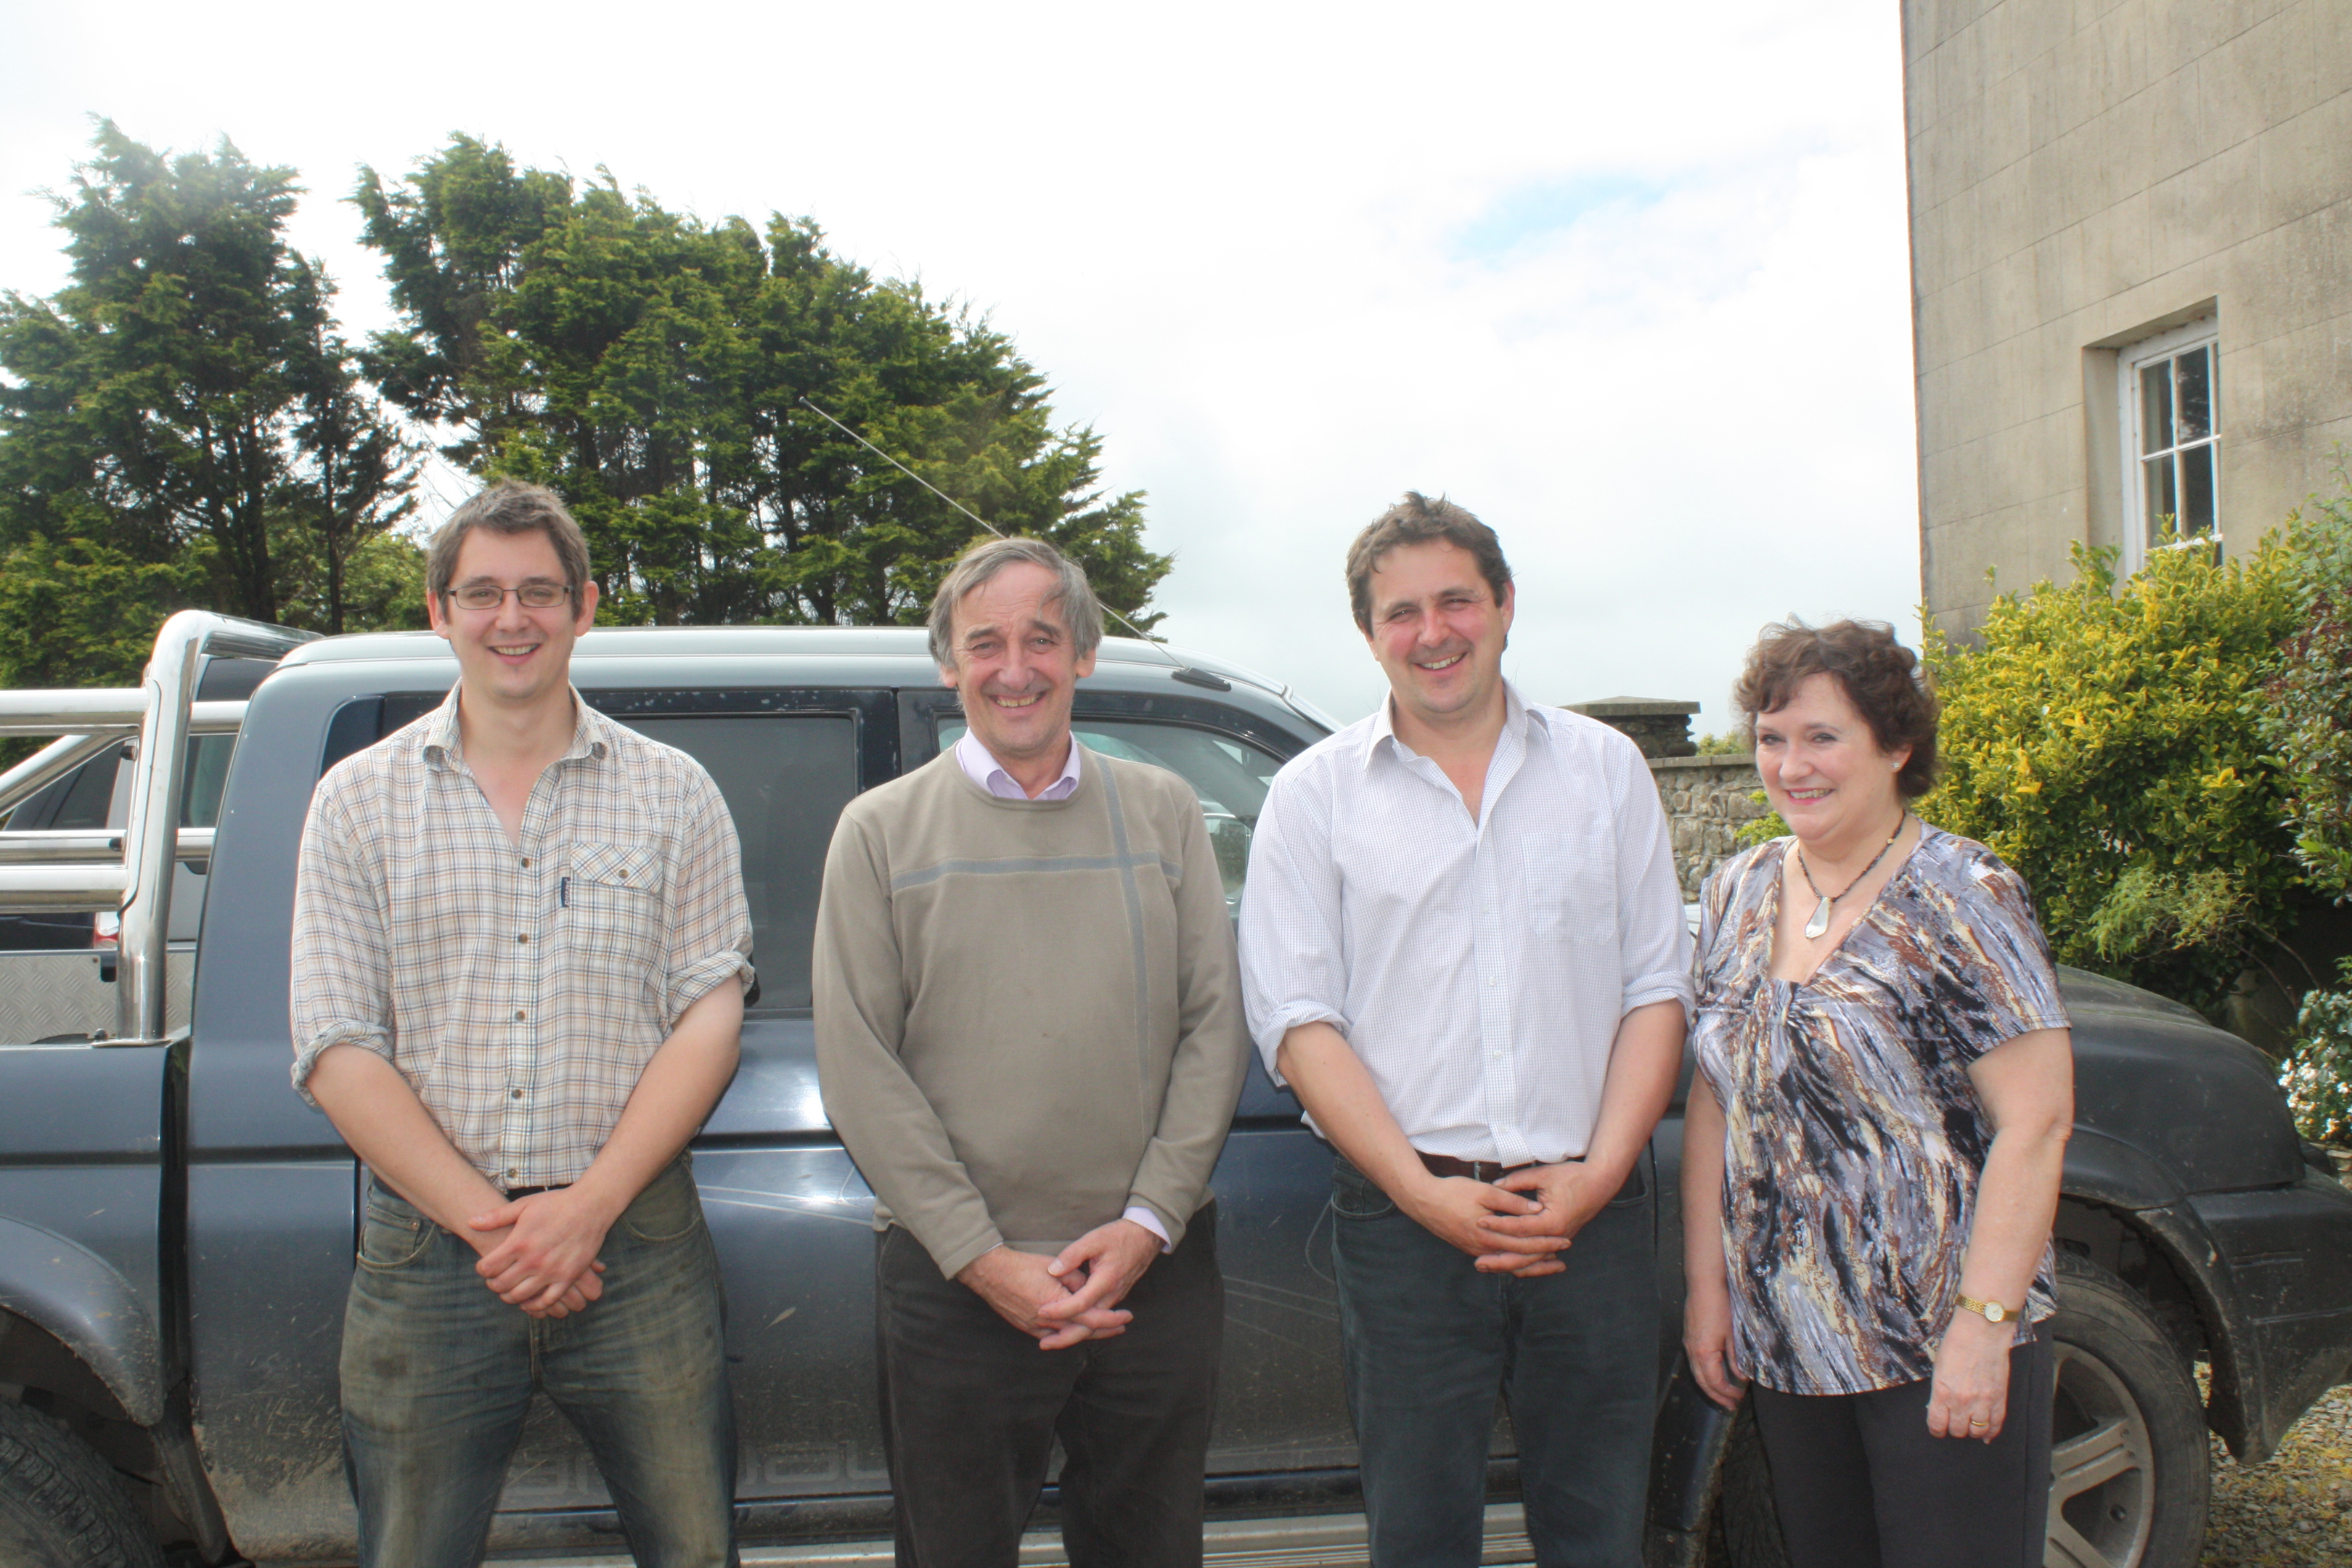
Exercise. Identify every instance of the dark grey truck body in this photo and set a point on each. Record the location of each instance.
(177, 1228)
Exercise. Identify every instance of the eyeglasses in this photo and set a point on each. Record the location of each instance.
(536, 594)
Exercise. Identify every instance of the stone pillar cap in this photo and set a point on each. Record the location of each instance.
(1630, 707)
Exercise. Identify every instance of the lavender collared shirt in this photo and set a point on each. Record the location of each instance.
(980, 765)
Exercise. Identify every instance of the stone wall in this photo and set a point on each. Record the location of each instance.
(1706, 801)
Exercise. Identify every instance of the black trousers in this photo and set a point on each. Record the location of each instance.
(971, 1408)
(1861, 1484)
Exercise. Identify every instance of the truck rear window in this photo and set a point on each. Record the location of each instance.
(785, 777)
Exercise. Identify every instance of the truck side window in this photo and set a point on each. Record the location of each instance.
(786, 777)
(1230, 776)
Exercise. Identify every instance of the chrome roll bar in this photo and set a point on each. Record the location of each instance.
(130, 871)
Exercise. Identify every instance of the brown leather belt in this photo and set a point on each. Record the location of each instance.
(1476, 1170)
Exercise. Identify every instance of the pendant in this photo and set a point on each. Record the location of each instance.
(1820, 923)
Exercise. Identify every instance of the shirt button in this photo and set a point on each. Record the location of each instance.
(522, 936)
(526, 866)
(514, 1093)
(513, 1173)
(518, 1015)
(1490, 980)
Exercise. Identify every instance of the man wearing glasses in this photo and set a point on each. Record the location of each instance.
(520, 948)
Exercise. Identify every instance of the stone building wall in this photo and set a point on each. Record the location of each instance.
(1706, 801)
(2083, 177)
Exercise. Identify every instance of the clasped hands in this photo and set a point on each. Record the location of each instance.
(545, 1260)
(1073, 1297)
(1518, 1225)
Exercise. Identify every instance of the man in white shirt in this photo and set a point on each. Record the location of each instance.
(1463, 947)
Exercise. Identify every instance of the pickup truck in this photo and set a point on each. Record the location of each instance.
(177, 1229)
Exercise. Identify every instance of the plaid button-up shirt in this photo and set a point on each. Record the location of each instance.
(521, 988)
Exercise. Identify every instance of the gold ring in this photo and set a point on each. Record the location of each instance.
(1974, 1421)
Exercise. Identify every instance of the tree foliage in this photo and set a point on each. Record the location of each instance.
(180, 423)
(2306, 714)
(651, 367)
(2098, 739)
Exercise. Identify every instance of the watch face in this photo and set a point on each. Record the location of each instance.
(1995, 1313)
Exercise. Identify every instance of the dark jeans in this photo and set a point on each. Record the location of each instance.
(1861, 1484)
(437, 1375)
(1431, 1344)
(971, 1407)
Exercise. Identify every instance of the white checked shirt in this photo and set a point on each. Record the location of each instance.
(521, 989)
(1479, 970)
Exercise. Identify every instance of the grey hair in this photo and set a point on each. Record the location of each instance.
(1081, 611)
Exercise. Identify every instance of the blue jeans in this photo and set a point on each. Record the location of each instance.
(437, 1375)
(1429, 1344)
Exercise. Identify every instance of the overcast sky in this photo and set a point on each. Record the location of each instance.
(1628, 281)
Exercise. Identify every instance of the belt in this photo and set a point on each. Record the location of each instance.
(1476, 1170)
(514, 1193)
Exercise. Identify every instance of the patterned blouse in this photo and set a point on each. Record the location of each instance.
(1853, 1137)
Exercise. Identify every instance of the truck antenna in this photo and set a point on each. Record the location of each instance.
(1184, 672)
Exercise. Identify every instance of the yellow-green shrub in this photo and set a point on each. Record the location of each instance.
(2102, 741)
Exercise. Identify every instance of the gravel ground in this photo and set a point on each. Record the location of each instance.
(2294, 1512)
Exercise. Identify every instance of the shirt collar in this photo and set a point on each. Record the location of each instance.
(1517, 715)
(592, 732)
(980, 766)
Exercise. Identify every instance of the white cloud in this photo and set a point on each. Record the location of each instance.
(1630, 283)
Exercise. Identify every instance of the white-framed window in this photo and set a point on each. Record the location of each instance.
(2169, 387)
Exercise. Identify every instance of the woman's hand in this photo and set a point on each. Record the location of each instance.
(1706, 1340)
(1971, 1393)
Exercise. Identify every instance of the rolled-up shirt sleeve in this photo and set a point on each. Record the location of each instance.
(1654, 947)
(1293, 965)
(708, 922)
(342, 981)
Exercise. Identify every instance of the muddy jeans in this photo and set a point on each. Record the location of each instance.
(437, 1375)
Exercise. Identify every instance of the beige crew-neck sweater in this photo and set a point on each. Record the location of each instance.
(1028, 1015)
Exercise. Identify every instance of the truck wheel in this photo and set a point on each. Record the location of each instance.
(1752, 1525)
(2130, 1471)
(60, 1505)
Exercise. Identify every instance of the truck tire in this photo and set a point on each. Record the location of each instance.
(60, 1505)
(1752, 1525)
(2130, 1471)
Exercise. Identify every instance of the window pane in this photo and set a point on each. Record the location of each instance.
(2155, 476)
(208, 771)
(2195, 394)
(785, 779)
(1230, 776)
(2156, 407)
(2197, 490)
(91, 793)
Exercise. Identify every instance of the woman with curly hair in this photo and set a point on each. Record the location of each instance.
(1875, 1134)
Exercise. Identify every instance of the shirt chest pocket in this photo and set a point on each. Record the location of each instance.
(611, 902)
(1571, 886)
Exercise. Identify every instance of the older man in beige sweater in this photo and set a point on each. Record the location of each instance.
(1030, 1035)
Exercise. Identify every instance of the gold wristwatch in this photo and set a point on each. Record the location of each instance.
(1992, 1311)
